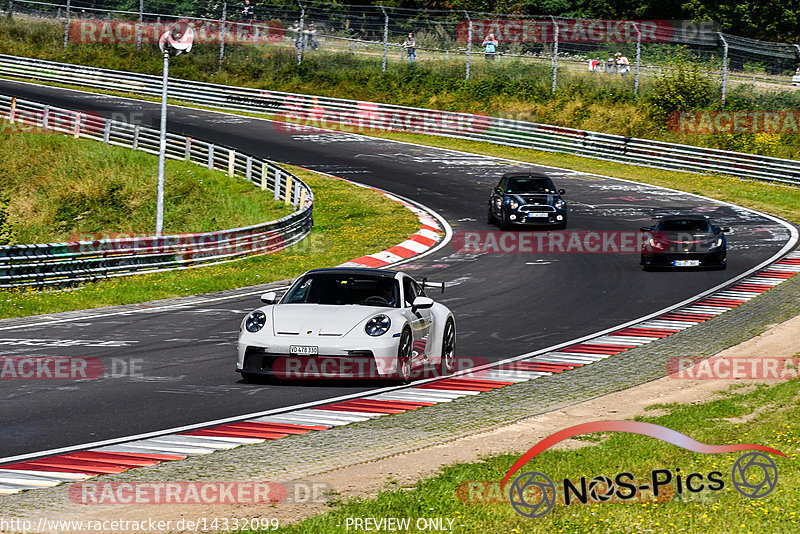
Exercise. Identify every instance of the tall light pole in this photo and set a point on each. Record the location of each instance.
(176, 40)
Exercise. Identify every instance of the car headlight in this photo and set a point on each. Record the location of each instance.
(559, 204)
(255, 321)
(378, 325)
(513, 204)
(655, 244)
(717, 243)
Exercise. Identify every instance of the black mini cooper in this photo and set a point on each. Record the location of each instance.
(529, 199)
(684, 241)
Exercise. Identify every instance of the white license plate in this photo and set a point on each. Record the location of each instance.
(686, 263)
(537, 215)
(303, 350)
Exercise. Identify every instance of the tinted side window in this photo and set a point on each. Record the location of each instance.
(410, 290)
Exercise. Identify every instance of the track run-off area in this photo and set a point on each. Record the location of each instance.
(505, 304)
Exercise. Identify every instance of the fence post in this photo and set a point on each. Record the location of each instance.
(385, 37)
(12, 110)
(469, 44)
(211, 157)
(222, 31)
(135, 137)
(187, 149)
(248, 172)
(76, 125)
(11, 9)
(638, 59)
(66, 24)
(724, 66)
(277, 187)
(231, 162)
(139, 26)
(288, 199)
(264, 176)
(300, 42)
(555, 54)
(107, 131)
(46, 117)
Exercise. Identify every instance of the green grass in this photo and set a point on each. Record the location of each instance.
(82, 188)
(719, 421)
(511, 88)
(349, 222)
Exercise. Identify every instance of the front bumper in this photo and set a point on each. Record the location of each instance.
(699, 259)
(355, 359)
(528, 218)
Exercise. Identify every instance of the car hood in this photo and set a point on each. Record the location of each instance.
(319, 319)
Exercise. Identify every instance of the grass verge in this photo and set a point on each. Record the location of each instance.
(349, 221)
(80, 188)
(765, 415)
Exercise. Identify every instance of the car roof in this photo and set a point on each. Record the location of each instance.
(356, 270)
(523, 174)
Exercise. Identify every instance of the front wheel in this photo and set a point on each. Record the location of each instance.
(448, 363)
(404, 349)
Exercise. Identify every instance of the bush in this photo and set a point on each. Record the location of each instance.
(682, 88)
(7, 234)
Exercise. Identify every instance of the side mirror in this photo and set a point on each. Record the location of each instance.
(646, 229)
(562, 192)
(422, 303)
(726, 229)
(269, 298)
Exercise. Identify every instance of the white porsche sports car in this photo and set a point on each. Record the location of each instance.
(348, 323)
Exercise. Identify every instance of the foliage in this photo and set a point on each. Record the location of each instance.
(681, 88)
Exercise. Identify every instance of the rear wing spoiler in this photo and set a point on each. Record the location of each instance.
(433, 285)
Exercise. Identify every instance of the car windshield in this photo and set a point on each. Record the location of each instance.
(530, 185)
(340, 289)
(685, 225)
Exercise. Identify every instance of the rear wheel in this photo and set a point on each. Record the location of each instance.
(404, 357)
(448, 363)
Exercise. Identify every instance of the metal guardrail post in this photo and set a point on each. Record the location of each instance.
(107, 131)
(264, 176)
(222, 31)
(66, 23)
(11, 9)
(724, 66)
(187, 148)
(162, 147)
(46, 117)
(555, 54)
(638, 59)
(469, 44)
(300, 41)
(277, 186)
(211, 157)
(139, 27)
(385, 38)
(136, 129)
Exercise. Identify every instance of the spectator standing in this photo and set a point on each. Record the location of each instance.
(611, 67)
(311, 33)
(296, 33)
(247, 16)
(490, 46)
(623, 65)
(410, 46)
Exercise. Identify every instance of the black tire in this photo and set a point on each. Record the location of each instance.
(490, 219)
(404, 348)
(448, 362)
(503, 221)
(254, 378)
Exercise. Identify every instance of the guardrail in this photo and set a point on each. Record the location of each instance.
(351, 115)
(55, 265)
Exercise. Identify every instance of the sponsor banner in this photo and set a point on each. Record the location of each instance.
(720, 368)
(570, 30)
(49, 368)
(127, 31)
(561, 242)
(733, 122)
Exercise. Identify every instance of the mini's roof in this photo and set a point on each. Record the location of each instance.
(524, 174)
(686, 217)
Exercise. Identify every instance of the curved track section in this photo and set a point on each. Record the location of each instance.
(506, 304)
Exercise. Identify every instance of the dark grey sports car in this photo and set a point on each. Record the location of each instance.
(684, 241)
(529, 199)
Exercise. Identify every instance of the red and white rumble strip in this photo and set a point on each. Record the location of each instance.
(81, 465)
(429, 234)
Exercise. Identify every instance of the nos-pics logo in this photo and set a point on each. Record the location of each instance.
(533, 494)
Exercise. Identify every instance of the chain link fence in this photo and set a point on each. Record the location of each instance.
(441, 39)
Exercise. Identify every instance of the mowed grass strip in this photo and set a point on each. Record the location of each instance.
(765, 415)
(349, 221)
(62, 189)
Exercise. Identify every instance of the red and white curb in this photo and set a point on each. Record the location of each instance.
(116, 458)
(430, 233)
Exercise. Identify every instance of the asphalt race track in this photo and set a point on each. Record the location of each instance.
(505, 304)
